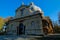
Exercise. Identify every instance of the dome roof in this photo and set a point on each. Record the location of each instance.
(35, 8)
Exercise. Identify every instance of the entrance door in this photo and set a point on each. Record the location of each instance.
(21, 29)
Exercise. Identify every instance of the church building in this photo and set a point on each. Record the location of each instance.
(29, 20)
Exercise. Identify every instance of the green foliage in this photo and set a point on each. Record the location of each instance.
(57, 29)
(1, 23)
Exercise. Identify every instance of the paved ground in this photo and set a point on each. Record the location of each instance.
(49, 37)
(8, 37)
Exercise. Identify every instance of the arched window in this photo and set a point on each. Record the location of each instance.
(32, 24)
(22, 11)
(46, 24)
(32, 8)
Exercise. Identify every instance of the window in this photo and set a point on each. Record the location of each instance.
(32, 24)
(11, 27)
(22, 11)
(46, 24)
(32, 9)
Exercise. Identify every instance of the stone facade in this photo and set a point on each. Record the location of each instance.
(28, 20)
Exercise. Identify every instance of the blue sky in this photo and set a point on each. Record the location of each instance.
(49, 7)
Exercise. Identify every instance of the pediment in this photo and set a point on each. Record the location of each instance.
(21, 7)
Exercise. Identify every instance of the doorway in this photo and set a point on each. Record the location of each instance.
(21, 29)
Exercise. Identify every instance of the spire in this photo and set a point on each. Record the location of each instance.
(22, 3)
(31, 3)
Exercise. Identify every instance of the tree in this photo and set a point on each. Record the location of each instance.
(56, 27)
(59, 18)
(1, 23)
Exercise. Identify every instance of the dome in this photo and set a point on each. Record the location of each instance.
(35, 8)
